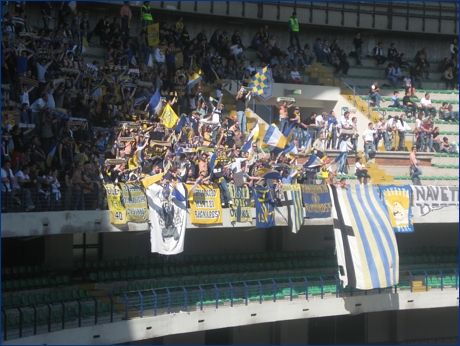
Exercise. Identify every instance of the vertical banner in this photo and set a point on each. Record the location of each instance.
(153, 34)
(317, 201)
(117, 210)
(265, 207)
(293, 197)
(240, 211)
(367, 252)
(397, 200)
(205, 207)
(135, 202)
(168, 217)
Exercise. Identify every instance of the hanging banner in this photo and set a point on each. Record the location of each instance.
(167, 217)
(430, 198)
(265, 207)
(268, 90)
(134, 199)
(205, 205)
(117, 210)
(292, 194)
(317, 201)
(240, 211)
(397, 200)
(153, 34)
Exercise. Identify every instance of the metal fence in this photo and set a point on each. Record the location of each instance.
(28, 320)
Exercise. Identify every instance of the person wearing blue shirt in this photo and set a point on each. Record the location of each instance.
(332, 128)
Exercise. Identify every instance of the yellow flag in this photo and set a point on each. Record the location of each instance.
(169, 117)
(146, 182)
(153, 34)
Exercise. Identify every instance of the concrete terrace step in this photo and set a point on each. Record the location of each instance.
(427, 171)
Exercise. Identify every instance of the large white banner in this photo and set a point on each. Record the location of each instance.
(429, 198)
(167, 217)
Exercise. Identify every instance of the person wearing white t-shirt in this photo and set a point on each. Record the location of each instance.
(427, 107)
(368, 137)
(343, 148)
(37, 107)
(361, 171)
(7, 176)
(24, 95)
(402, 127)
(20, 178)
(295, 76)
(320, 122)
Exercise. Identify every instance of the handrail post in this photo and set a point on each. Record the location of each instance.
(246, 292)
(231, 294)
(154, 303)
(411, 281)
(49, 317)
(336, 286)
(35, 319)
(79, 312)
(290, 291)
(111, 309)
(169, 300)
(322, 287)
(5, 317)
(306, 288)
(63, 315)
(456, 279)
(426, 280)
(201, 297)
(274, 290)
(442, 280)
(20, 322)
(217, 296)
(185, 298)
(260, 291)
(141, 311)
(127, 304)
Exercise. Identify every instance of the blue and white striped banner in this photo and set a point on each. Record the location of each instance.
(367, 252)
(293, 197)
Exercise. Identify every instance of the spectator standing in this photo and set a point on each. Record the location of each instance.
(343, 149)
(402, 127)
(46, 14)
(146, 15)
(454, 49)
(294, 29)
(283, 115)
(392, 53)
(241, 99)
(126, 16)
(448, 77)
(21, 180)
(358, 42)
(415, 170)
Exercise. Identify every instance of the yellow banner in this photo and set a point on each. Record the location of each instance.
(153, 34)
(117, 211)
(169, 117)
(205, 207)
(135, 202)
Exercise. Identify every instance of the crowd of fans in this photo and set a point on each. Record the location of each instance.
(83, 124)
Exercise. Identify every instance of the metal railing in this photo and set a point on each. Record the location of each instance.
(23, 321)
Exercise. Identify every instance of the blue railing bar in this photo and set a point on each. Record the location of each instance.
(141, 312)
(49, 317)
(201, 298)
(5, 318)
(35, 319)
(185, 298)
(111, 309)
(411, 280)
(154, 303)
(20, 321)
(63, 316)
(442, 280)
(336, 286)
(260, 291)
(127, 304)
(322, 287)
(231, 294)
(169, 300)
(79, 312)
(456, 279)
(217, 296)
(306, 288)
(290, 292)
(274, 290)
(426, 280)
(246, 291)
(95, 310)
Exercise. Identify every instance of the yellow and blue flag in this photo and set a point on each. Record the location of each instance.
(274, 138)
(169, 117)
(259, 82)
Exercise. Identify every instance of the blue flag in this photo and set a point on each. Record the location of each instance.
(156, 103)
(265, 207)
(180, 124)
(288, 130)
(317, 201)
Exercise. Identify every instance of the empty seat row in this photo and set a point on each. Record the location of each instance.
(38, 282)
(22, 271)
(39, 299)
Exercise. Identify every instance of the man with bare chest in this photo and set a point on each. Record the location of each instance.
(284, 119)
